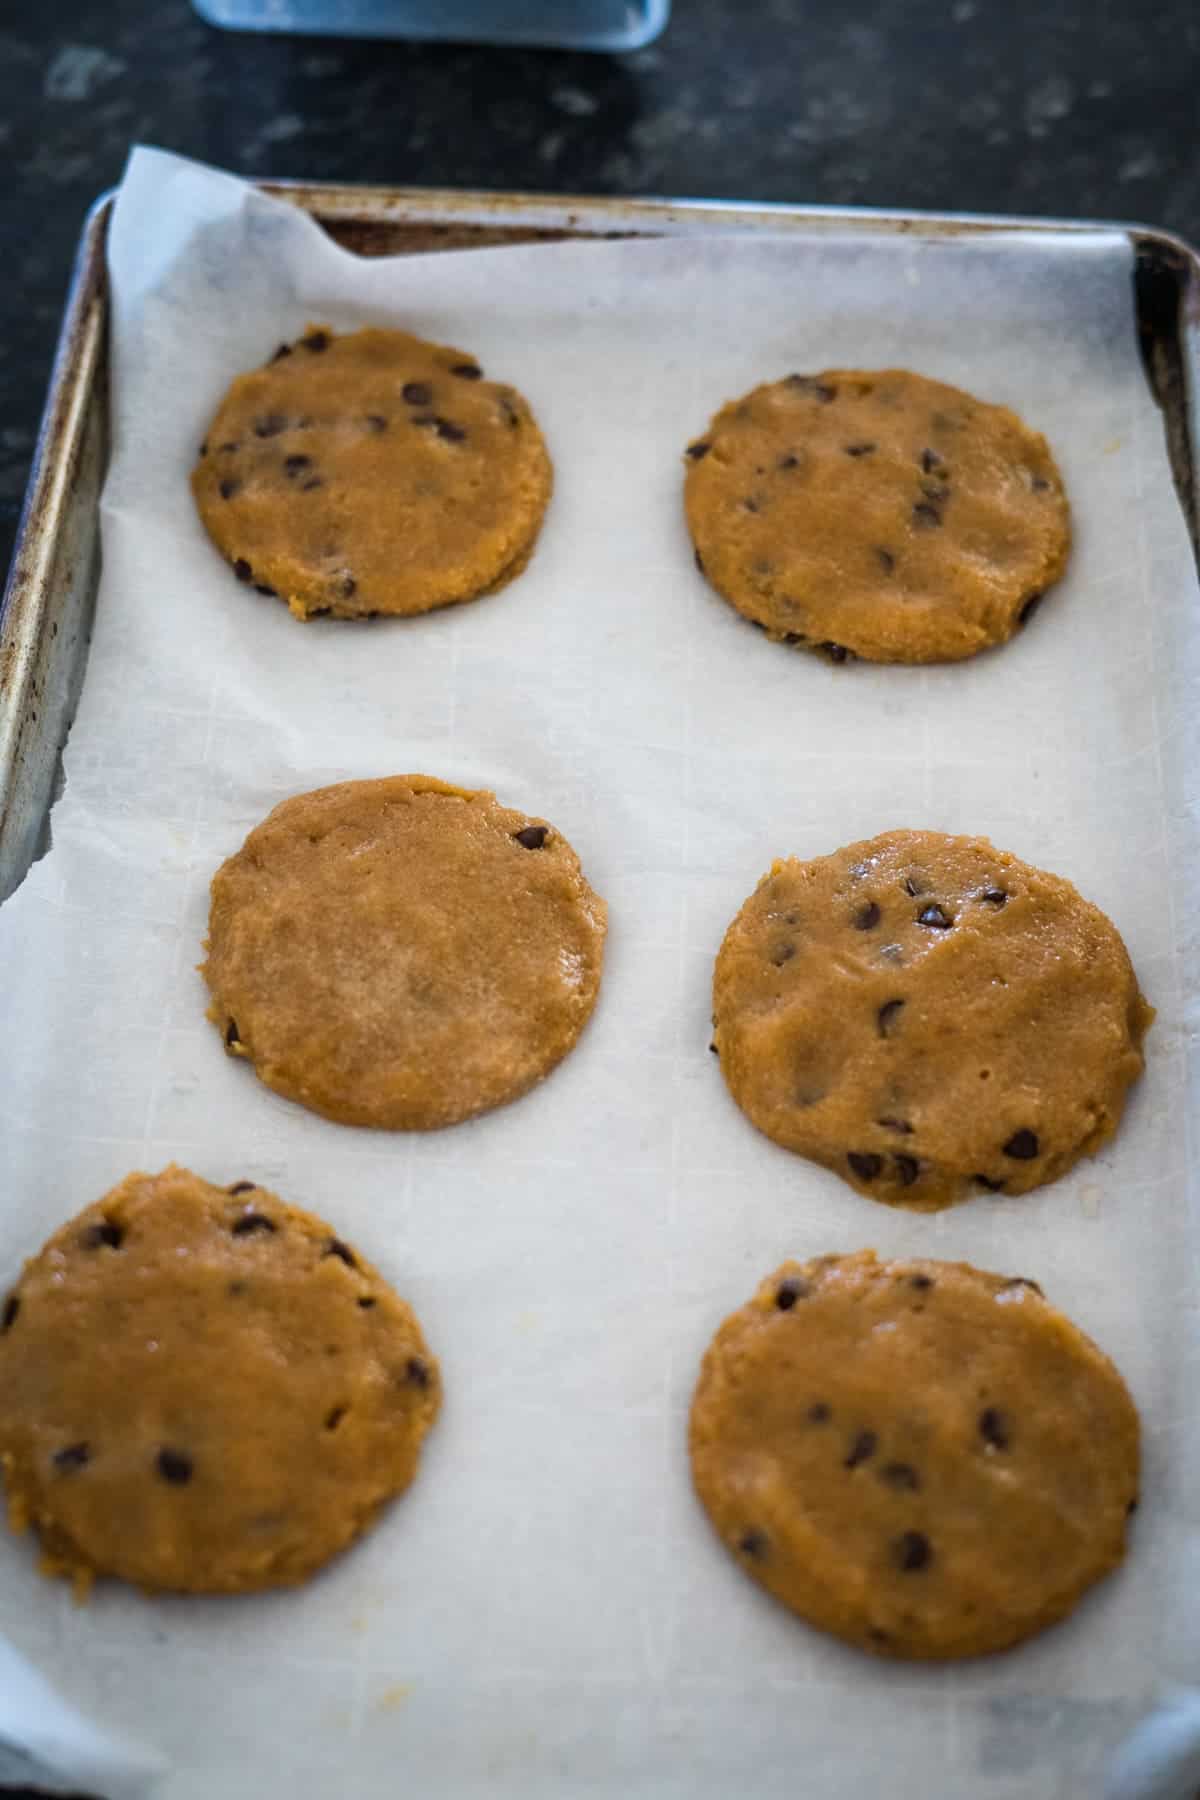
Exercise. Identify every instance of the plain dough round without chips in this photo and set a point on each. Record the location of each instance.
(372, 473)
(878, 514)
(928, 1017)
(921, 1458)
(205, 1389)
(402, 953)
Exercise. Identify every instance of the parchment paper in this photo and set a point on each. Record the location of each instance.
(547, 1613)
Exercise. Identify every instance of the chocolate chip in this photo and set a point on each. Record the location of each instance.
(314, 481)
(808, 384)
(253, 1221)
(446, 428)
(914, 885)
(174, 1466)
(783, 952)
(865, 1163)
(1039, 484)
(1021, 1280)
(698, 450)
(753, 1543)
(228, 488)
(750, 504)
(343, 1252)
(900, 1475)
(789, 637)
(316, 340)
(993, 1428)
(377, 422)
(348, 587)
(417, 393)
(858, 449)
(230, 447)
(1030, 607)
(887, 561)
(920, 1280)
(907, 1169)
(1131, 1508)
(994, 897)
(936, 492)
(242, 1187)
(1022, 1145)
(296, 465)
(12, 1307)
(985, 1181)
(837, 653)
(699, 561)
(819, 1413)
(270, 425)
(334, 1417)
(863, 1446)
(204, 449)
(242, 569)
(714, 1050)
(926, 516)
(930, 460)
(532, 836)
(886, 1018)
(366, 1302)
(867, 917)
(467, 371)
(787, 461)
(789, 1291)
(418, 1372)
(891, 1124)
(878, 1636)
(260, 587)
(509, 410)
(912, 1551)
(935, 917)
(71, 1457)
(106, 1234)
(231, 1034)
(283, 350)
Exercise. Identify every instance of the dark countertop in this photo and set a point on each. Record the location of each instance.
(1085, 109)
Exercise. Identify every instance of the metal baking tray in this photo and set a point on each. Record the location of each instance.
(46, 612)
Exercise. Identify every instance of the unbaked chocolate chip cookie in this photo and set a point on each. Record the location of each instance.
(928, 1017)
(402, 953)
(923, 1459)
(205, 1389)
(372, 473)
(876, 514)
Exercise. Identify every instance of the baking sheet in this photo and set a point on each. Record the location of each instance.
(547, 1611)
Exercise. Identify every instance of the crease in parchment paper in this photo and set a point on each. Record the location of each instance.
(547, 1611)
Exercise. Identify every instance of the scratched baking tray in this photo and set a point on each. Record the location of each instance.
(46, 613)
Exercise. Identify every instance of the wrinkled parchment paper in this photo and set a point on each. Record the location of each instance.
(547, 1613)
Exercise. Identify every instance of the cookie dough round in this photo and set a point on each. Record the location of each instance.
(923, 1459)
(205, 1389)
(402, 953)
(928, 1017)
(876, 514)
(372, 473)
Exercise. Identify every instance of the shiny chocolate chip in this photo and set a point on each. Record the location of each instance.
(935, 917)
(532, 837)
